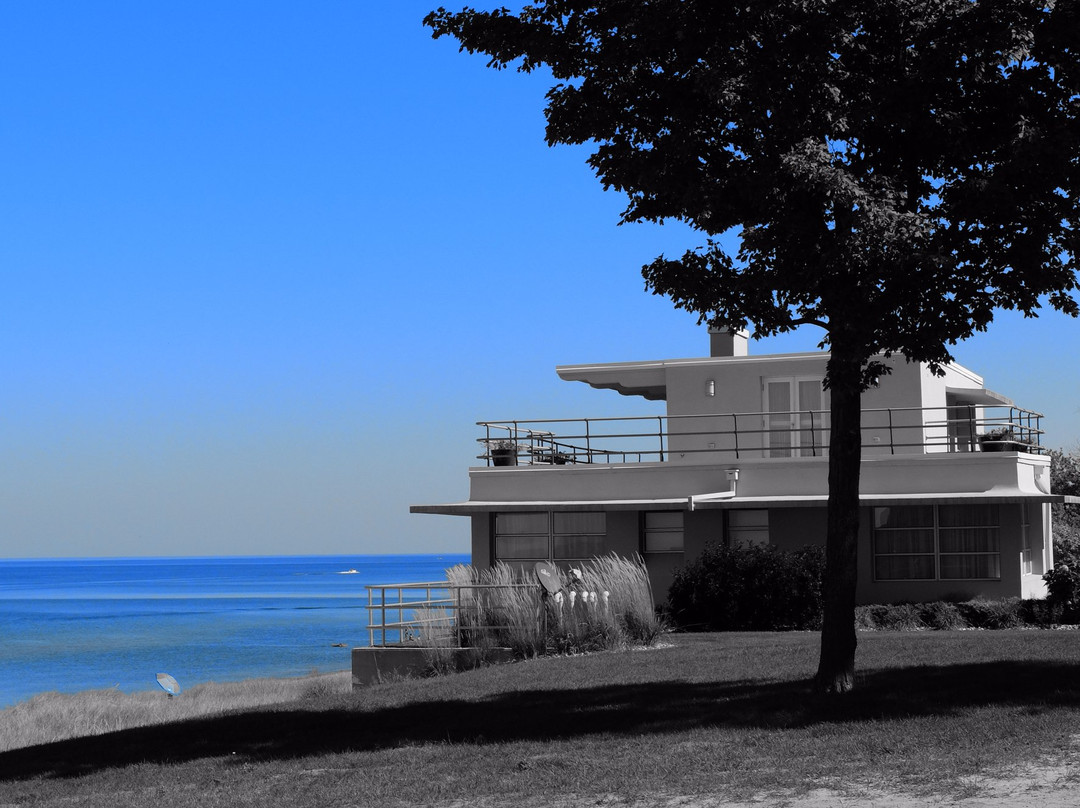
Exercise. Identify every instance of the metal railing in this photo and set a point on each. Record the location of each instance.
(436, 614)
(798, 433)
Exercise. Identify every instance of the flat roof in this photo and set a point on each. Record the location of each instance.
(712, 501)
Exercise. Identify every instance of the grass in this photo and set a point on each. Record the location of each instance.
(51, 717)
(725, 715)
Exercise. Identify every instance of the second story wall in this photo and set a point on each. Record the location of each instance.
(725, 395)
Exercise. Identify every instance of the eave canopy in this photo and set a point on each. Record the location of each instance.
(645, 379)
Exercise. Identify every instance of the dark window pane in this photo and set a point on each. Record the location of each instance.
(969, 540)
(580, 522)
(664, 542)
(748, 518)
(962, 567)
(904, 568)
(906, 516)
(664, 520)
(521, 548)
(977, 515)
(570, 547)
(888, 542)
(517, 524)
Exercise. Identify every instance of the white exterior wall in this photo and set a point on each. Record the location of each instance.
(1003, 473)
(738, 389)
(900, 432)
(898, 468)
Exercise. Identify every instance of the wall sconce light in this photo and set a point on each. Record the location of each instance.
(710, 388)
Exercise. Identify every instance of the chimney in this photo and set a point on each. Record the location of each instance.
(725, 342)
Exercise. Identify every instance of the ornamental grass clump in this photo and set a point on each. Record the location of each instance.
(604, 603)
(497, 609)
(630, 595)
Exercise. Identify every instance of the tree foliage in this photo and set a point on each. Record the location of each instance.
(896, 168)
(1065, 519)
(894, 171)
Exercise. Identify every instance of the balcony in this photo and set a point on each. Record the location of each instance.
(717, 438)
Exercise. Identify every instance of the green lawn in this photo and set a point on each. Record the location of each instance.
(720, 714)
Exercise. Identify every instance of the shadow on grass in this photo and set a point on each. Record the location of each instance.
(659, 707)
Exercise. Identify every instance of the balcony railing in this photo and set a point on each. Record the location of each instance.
(802, 433)
(438, 614)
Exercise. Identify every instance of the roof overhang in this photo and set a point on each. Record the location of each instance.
(725, 500)
(978, 396)
(468, 508)
(645, 379)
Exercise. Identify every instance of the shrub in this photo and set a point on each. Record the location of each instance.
(1039, 612)
(1004, 613)
(941, 615)
(755, 588)
(1063, 581)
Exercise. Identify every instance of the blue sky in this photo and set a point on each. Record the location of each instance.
(263, 265)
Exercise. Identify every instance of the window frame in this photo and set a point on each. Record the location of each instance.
(991, 527)
(750, 533)
(796, 428)
(550, 536)
(646, 531)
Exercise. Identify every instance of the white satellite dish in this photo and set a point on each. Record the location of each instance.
(168, 684)
(548, 575)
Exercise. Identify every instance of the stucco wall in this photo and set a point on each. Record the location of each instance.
(737, 389)
(623, 532)
(481, 540)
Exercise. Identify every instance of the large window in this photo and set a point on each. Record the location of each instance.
(521, 537)
(746, 527)
(544, 536)
(662, 532)
(943, 542)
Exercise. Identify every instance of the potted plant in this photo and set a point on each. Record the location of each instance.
(999, 440)
(503, 452)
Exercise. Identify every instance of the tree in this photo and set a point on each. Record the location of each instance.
(1065, 479)
(895, 170)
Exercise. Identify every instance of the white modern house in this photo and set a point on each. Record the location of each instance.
(955, 487)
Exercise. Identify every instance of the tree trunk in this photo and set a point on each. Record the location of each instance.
(836, 668)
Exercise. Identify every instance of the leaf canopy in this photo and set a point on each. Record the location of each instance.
(895, 170)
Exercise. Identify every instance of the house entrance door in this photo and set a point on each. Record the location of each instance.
(795, 416)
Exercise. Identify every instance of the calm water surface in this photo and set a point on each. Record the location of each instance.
(78, 624)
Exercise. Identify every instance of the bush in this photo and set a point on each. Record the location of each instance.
(1063, 586)
(994, 614)
(755, 588)
(943, 615)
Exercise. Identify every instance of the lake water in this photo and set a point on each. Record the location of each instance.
(79, 624)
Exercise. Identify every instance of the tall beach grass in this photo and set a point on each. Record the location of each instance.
(54, 716)
(604, 604)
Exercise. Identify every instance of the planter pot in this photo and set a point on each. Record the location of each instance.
(998, 443)
(504, 457)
